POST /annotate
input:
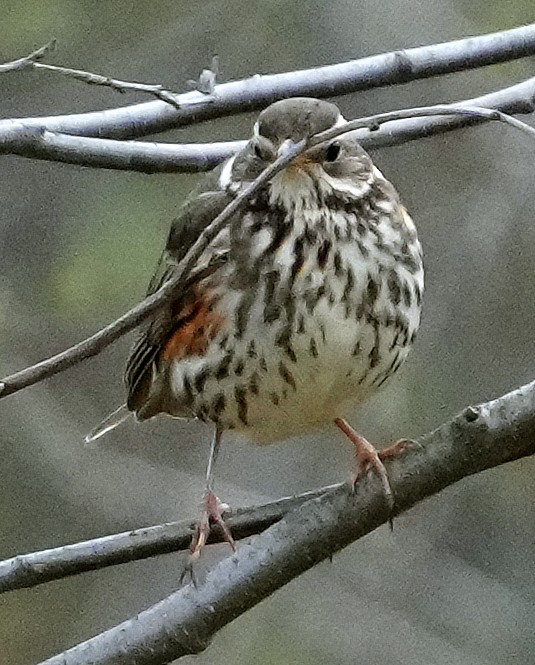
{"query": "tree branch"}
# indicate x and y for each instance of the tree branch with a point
(171, 289)
(29, 570)
(28, 61)
(154, 157)
(258, 91)
(185, 622)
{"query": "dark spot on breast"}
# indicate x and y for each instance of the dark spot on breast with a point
(254, 384)
(418, 293)
(287, 375)
(338, 266)
(299, 257)
(274, 398)
(372, 290)
(374, 355)
(240, 366)
(240, 395)
(323, 253)
(224, 367)
(313, 348)
(218, 405)
(350, 283)
(363, 248)
(407, 294)
(394, 287)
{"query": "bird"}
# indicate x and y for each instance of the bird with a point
(305, 304)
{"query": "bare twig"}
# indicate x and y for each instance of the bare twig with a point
(103, 338)
(170, 157)
(156, 90)
(29, 60)
(207, 80)
(186, 621)
(29, 570)
(256, 92)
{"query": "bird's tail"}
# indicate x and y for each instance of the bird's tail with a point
(112, 421)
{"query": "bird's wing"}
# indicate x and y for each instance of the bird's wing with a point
(195, 215)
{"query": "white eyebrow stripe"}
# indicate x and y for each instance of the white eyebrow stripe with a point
(225, 177)
(340, 121)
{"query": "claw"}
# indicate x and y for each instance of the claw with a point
(212, 512)
(367, 457)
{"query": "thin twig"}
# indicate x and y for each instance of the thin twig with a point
(156, 90)
(185, 622)
(256, 92)
(29, 570)
(103, 338)
(29, 60)
(190, 158)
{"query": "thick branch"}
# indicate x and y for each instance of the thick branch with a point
(170, 157)
(171, 289)
(186, 621)
(256, 92)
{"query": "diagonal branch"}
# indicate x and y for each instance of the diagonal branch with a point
(103, 338)
(186, 621)
(28, 570)
(154, 157)
(256, 92)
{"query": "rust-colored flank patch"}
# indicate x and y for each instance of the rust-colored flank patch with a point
(201, 325)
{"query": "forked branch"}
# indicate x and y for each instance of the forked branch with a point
(185, 622)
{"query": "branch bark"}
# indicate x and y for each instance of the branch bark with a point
(29, 570)
(185, 622)
(152, 157)
(258, 91)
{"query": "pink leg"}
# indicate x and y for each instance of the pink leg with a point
(368, 457)
(212, 512)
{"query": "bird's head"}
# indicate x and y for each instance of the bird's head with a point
(339, 165)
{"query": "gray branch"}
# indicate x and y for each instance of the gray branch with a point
(28, 570)
(258, 91)
(28, 61)
(185, 622)
(154, 157)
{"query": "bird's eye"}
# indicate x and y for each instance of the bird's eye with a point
(262, 150)
(331, 152)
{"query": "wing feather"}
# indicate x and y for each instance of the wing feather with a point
(193, 218)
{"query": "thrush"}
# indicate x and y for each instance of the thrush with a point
(306, 303)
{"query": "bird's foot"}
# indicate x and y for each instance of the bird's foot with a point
(368, 457)
(212, 513)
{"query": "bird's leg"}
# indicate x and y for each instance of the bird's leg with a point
(368, 457)
(213, 508)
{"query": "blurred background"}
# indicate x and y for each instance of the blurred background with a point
(455, 582)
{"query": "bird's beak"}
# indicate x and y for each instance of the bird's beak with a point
(300, 161)
(285, 148)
